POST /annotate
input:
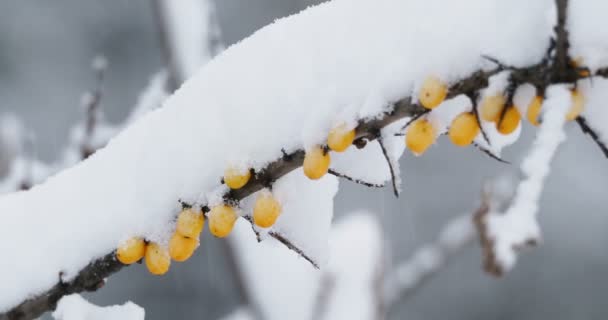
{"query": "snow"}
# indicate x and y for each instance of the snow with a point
(518, 224)
(75, 307)
(283, 87)
(588, 35)
(283, 287)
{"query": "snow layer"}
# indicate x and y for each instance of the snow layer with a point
(75, 307)
(518, 224)
(283, 87)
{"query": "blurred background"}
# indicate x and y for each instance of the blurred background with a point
(46, 49)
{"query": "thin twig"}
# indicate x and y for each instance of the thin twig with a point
(390, 166)
(357, 181)
(582, 122)
(285, 241)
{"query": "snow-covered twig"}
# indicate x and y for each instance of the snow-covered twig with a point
(429, 259)
(518, 226)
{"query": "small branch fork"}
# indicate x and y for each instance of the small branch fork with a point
(540, 75)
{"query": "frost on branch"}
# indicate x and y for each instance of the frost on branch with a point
(75, 307)
(518, 225)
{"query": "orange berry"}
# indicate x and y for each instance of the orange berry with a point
(433, 92)
(190, 223)
(534, 110)
(340, 138)
(420, 136)
(236, 178)
(266, 210)
(131, 250)
(491, 107)
(510, 121)
(181, 248)
(578, 104)
(316, 163)
(157, 259)
(464, 129)
(221, 220)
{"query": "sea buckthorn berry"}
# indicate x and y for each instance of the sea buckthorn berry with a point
(236, 178)
(157, 259)
(578, 63)
(221, 220)
(340, 138)
(131, 250)
(181, 248)
(432, 93)
(190, 223)
(510, 121)
(420, 135)
(316, 163)
(266, 210)
(491, 107)
(578, 104)
(464, 129)
(534, 110)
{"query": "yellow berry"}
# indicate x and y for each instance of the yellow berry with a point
(266, 210)
(181, 248)
(464, 129)
(221, 220)
(316, 163)
(510, 121)
(131, 251)
(432, 93)
(236, 178)
(578, 104)
(420, 136)
(190, 223)
(534, 110)
(578, 63)
(157, 259)
(340, 138)
(491, 107)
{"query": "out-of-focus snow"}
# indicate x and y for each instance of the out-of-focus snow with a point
(75, 307)
(355, 268)
(284, 287)
(518, 224)
(241, 313)
(429, 259)
(190, 33)
(283, 87)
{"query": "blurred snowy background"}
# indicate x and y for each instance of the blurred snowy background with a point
(46, 49)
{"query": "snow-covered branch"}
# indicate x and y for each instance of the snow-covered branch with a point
(518, 226)
(366, 76)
